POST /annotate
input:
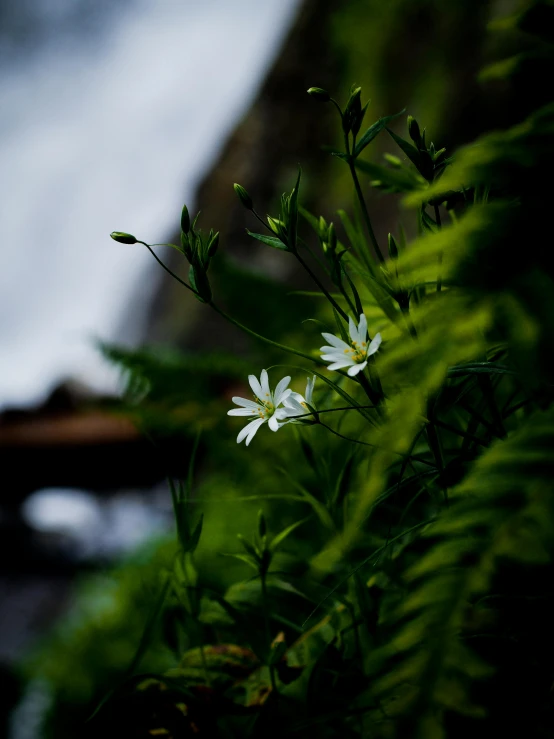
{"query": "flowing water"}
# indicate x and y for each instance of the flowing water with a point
(111, 113)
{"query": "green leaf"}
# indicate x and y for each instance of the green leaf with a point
(277, 540)
(195, 536)
(411, 152)
(373, 131)
(319, 509)
(393, 180)
(269, 240)
(248, 546)
(476, 368)
(243, 558)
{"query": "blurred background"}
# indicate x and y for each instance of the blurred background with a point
(114, 115)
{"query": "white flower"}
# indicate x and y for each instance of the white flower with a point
(354, 356)
(296, 404)
(265, 407)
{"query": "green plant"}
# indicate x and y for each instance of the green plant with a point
(416, 599)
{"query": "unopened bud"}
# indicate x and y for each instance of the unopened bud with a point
(185, 220)
(393, 161)
(319, 94)
(354, 104)
(332, 237)
(123, 238)
(322, 227)
(413, 130)
(278, 227)
(243, 196)
(213, 244)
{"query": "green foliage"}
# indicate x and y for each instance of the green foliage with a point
(397, 582)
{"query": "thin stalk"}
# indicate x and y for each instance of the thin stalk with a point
(333, 410)
(268, 631)
(284, 348)
(327, 294)
(365, 213)
(372, 394)
(459, 432)
(346, 438)
(309, 271)
(170, 272)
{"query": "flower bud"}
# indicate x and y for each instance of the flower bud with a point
(332, 237)
(185, 220)
(322, 227)
(319, 94)
(278, 228)
(354, 103)
(393, 161)
(243, 196)
(413, 130)
(123, 238)
(213, 244)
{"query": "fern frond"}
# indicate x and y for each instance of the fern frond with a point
(503, 509)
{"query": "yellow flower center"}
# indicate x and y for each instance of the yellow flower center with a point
(357, 352)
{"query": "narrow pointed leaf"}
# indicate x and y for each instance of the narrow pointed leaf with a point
(269, 240)
(373, 131)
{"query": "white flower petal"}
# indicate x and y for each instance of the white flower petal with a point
(337, 357)
(245, 403)
(296, 407)
(249, 430)
(264, 382)
(280, 390)
(362, 329)
(273, 423)
(341, 364)
(310, 389)
(335, 350)
(243, 412)
(255, 385)
(335, 341)
(292, 397)
(352, 330)
(353, 371)
(374, 345)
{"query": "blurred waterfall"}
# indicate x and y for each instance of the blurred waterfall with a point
(111, 114)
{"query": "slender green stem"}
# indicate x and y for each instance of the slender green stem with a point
(365, 212)
(324, 290)
(170, 272)
(264, 224)
(346, 438)
(372, 394)
(268, 631)
(333, 410)
(337, 106)
(377, 446)
(459, 432)
(282, 347)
